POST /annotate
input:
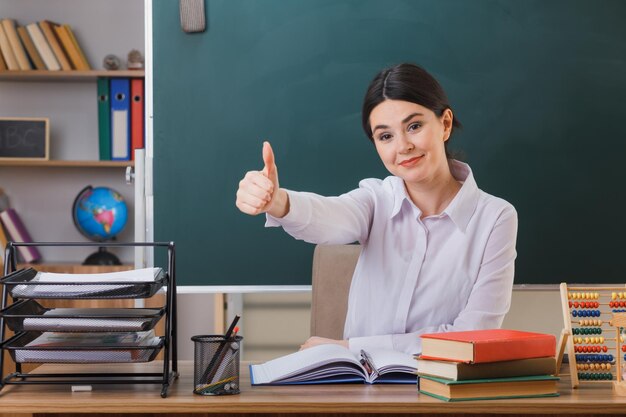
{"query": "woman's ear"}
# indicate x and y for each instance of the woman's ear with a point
(446, 118)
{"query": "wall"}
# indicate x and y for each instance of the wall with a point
(275, 324)
(44, 196)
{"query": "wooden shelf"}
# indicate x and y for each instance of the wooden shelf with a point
(40, 75)
(68, 164)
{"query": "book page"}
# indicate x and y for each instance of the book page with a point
(386, 361)
(135, 275)
(43, 324)
(308, 364)
(64, 281)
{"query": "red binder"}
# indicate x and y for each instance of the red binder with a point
(136, 115)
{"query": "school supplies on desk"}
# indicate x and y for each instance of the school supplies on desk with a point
(29, 315)
(330, 363)
(30, 283)
(478, 346)
(83, 347)
(489, 389)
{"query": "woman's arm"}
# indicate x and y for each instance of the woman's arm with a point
(306, 216)
(328, 220)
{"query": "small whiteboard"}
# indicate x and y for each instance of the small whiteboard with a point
(23, 138)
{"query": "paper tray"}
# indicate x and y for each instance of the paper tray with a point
(21, 284)
(21, 353)
(29, 315)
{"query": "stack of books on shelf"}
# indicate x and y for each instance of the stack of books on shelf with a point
(120, 118)
(487, 364)
(42, 45)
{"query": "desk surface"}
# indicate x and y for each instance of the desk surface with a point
(342, 398)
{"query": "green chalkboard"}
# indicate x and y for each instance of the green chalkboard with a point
(539, 85)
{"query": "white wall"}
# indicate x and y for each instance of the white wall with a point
(275, 324)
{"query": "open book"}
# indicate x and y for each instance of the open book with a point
(327, 364)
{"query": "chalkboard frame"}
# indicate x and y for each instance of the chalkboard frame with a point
(45, 138)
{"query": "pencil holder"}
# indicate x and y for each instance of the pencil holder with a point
(216, 365)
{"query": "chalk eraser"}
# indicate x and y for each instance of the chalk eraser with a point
(81, 388)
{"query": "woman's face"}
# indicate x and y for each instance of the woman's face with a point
(410, 139)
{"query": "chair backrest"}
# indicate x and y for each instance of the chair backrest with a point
(333, 266)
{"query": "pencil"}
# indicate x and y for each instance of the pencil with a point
(211, 369)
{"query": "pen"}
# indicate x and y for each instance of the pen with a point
(211, 369)
(368, 363)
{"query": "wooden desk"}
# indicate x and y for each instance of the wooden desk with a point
(295, 400)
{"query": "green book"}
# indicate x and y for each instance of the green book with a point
(104, 120)
(489, 389)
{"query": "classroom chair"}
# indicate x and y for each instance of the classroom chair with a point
(333, 266)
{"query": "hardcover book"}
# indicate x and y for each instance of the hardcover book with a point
(493, 345)
(460, 371)
(18, 233)
(489, 389)
(16, 45)
(30, 48)
(327, 364)
(44, 49)
(47, 28)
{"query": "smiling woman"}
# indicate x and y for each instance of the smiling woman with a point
(429, 235)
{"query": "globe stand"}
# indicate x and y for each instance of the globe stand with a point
(102, 257)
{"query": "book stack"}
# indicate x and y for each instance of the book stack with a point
(43, 45)
(120, 118)
(487, 364)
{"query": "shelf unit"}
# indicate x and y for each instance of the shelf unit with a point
(60, 164)
(42, 192)
(68, 164)
(74, 76)
(25, 293)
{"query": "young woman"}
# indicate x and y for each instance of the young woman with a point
(437, 254)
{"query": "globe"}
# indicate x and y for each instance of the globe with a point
(100, 214)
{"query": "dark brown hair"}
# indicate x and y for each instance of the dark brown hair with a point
(406, 82)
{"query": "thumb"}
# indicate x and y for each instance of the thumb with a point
(268, 158)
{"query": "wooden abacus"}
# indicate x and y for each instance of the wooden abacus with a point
(619, 321)
(594, 355)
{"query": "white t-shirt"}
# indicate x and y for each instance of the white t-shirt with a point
(447, 272)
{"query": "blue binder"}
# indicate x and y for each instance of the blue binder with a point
(120, 119)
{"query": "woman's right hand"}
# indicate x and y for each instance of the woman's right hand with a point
(259, 191)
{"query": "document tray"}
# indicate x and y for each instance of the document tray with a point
(29, 315)
(21, 353)
(22, 284)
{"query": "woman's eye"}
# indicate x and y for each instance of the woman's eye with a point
(384, 136)
(414, 126)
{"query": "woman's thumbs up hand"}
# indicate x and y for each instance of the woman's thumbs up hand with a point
(259, 191)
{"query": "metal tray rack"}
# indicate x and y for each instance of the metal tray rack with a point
(29, 320)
